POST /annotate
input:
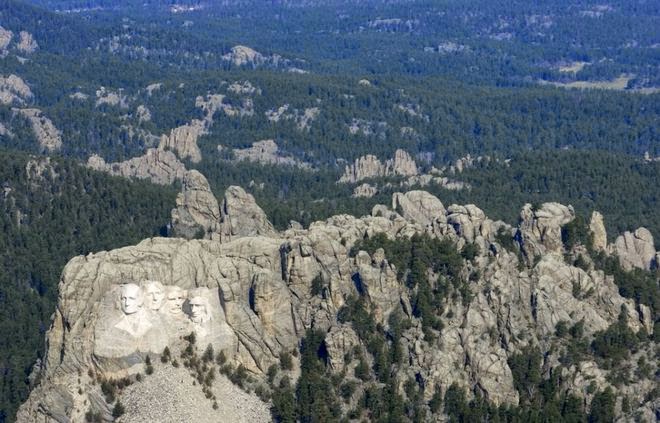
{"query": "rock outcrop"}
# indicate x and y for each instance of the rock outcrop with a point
(26, 44)
(158, 166)
(251, 292)
(49, 137)
(245, 56)
(370, 166)
(241, 216)
(183, 140)
(597, 228)
(635, 250)
(197, 214)
(540, 228)
(13, 90)
(266, 152)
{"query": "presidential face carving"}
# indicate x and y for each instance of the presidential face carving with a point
(175, 298)
(131, 298)
(155, 294)
(199, 310)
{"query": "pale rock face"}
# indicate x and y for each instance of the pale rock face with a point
(419, 206)
(49, 137)
(471, 223)
(183, 140)
(340, 341)
(636, 250)
(196, 208)
(143, 113)
(365, 191)
(597, 228)
(242, 55)
(540, 230)
(5, 39)
(370, 167)
(13, 90)
(266, 152)
(27, 43)
(241, 216)
(250, 295)
(158, 166)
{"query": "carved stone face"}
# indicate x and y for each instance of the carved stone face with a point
(175, 298)
(199, 312)
(155, 295)
(131, 298)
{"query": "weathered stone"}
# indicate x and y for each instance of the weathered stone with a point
(49, 137)
(597, 228)
(370, 167)
(540, 229)
(636, 249)
(197, 214)
(419, 206)
(13, 90)
(158, 166)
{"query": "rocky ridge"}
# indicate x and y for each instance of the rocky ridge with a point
(264, 278)
(401, 165)
(265, 152)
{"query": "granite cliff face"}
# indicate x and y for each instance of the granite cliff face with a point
(259, 291)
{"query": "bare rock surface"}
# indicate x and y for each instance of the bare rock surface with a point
(636, 249)
(196, 208)
(597, 228)
(13, 90)
(158, 166)
(251, 292)
(49, 137)
(266, 152)
(370, 166)
(183, 140)
(540, 229)
(365, 191)
(27, 43)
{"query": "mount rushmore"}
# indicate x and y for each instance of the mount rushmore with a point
(247, 290)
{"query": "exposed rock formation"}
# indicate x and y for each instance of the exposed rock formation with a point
(160, 167)
(27, 43)
(13, 90)
(365, 190)
(197, 213)
(49, 137)
(266, 152)
(597, 228)
(241, 216)
(419, 206)
(5, 39)
(261, 289)
(636, 249)
(540, 229)
(246, 56)
(183, 140)
(370, 167)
